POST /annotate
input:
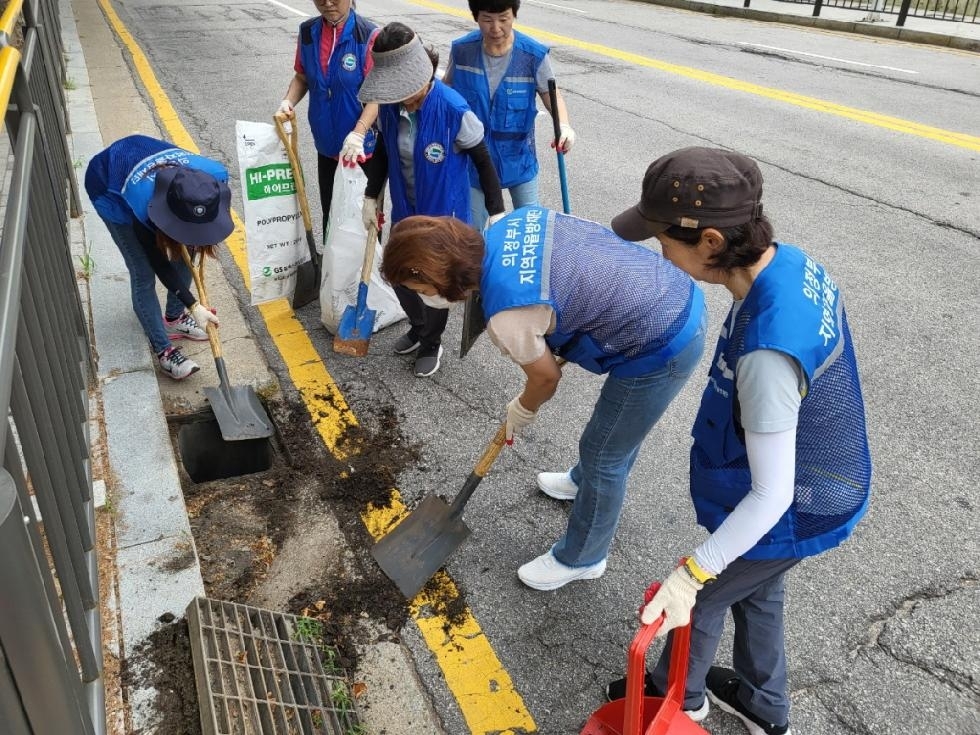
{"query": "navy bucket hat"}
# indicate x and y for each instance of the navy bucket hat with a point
(191, 206)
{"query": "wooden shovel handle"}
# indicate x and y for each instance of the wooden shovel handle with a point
(202, 297)
(371, 244)
(290, 141)
(498, 441)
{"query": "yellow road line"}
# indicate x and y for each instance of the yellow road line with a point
(482, 687)
(961, 140)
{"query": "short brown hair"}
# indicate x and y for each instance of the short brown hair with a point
(440, 251)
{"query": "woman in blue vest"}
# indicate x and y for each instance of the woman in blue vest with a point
(333, 55)
(429, 136)
(544, 280)
(780, 467)
(499, 72)
(153, 197)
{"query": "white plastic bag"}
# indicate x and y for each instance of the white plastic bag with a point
(274, 235)
(343, 257)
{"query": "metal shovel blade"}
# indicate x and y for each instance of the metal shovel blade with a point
(474, 323)
(237, 409)
(415, 549)
(307, 277)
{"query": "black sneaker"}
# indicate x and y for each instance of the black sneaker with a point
(723, 687)
(406, 344)
(617, 690)
(428, 360)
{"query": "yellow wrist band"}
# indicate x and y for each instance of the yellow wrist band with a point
(698, 574)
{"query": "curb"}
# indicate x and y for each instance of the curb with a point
(151, 523)
(890, 32)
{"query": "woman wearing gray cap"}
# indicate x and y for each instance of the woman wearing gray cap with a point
(429, 135)
(780, 466)
(153, 197)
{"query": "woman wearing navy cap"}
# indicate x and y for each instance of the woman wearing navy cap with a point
(154, 197)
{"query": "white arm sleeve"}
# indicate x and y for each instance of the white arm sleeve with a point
(772, 462)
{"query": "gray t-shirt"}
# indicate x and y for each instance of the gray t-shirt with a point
(496, 67)
(470, 135)
(770, 387)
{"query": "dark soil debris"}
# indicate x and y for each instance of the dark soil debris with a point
(163, 663)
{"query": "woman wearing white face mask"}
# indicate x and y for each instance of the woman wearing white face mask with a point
(543, 278)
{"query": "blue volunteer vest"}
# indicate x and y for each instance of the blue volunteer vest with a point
(333, 104)
(793, 307)
(441, 186)
(120, 179)
(509, 116)
(619, 307)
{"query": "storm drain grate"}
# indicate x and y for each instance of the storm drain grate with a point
(259, 673)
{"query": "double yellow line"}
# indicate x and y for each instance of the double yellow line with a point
(962, 140)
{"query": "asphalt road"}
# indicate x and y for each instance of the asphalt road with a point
(857, 140)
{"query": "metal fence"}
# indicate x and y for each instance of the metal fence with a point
(953, 10)
(50, 630)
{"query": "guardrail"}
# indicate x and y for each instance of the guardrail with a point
(50, 630)
(953, 10)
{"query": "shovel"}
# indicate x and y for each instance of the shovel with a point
(415, 549)
(237, 409)
(357, 322)
(562, 177)
(308, 273)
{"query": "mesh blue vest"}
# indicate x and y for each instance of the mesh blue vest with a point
(619, 307)
(509, 116)
(793, 307)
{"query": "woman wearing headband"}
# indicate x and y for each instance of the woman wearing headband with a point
(429, 136)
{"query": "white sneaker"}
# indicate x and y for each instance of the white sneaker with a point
(547, 573)
(557, 485)
(185, 327)
(174, 364)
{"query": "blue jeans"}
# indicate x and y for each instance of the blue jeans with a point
(754, 591)
(626, 411)
(142, 284)
(520, 196)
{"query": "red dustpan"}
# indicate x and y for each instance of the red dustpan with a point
(639, 715)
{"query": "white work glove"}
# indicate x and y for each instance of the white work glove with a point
(203, 315)
(352, 152)
(286, 109)
(494, 219)
(369, 214)
(517, 418)
(566, 138)
(676, 598)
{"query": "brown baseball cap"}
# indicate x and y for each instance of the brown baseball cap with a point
(695, 188)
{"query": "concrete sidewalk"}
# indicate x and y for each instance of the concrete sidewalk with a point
(951, 34)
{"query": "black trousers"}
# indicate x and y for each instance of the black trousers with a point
(428, 324)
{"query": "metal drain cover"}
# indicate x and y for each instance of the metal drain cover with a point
(259, 672)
